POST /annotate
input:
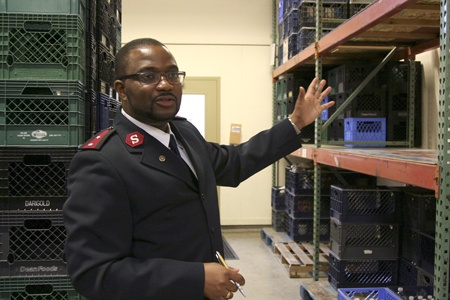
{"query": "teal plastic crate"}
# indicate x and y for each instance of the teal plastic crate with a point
(61, 7)
(42, 113)
(34, 288)
(42, 47)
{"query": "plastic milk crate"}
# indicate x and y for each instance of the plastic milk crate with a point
(365, 130)
(34, 178)
(42, 113)
(32, 243)
(42, 47)
(361, 240)
(367, 293)
(302, 206)
(37, 288)
(344, 273)
(365, 204)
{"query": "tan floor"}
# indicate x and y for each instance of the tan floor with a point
(266, 277)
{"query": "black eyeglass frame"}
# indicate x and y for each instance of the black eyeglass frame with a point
(180, 75)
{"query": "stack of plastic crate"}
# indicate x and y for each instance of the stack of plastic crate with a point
(364, 119)
(334, 12)
(299, 197)
(364, 236)
(416, 267)
(107, 40)
(278, 208)
(42, 96)
(400, 81)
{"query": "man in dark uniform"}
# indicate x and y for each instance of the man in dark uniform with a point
(142, 220)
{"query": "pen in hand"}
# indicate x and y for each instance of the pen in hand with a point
(223, 263)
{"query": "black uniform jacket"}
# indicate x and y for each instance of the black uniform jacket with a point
(139, 226)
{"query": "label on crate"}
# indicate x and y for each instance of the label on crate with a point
(38, 136)
(37, 203)
(38, 269)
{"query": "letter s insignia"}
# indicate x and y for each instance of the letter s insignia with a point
(134, 139)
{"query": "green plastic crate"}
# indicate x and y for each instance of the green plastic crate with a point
(42, 113)
(42, 47)
(36, 288)
(62, 7)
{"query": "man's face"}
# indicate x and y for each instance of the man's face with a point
(153, 104)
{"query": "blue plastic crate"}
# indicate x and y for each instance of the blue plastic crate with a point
(302, 206)
(367, 293)
(365, 130)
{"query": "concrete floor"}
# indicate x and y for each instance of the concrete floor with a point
(266, 277)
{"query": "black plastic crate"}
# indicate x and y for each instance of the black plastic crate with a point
(37, 288)
(102, 111)
(42, 47)
(32, 243)
(410, 244)
(334, 13)
(302, 206)
(278, 198)
(34, 174)
(307, 36)
(291, 23)
(365, 204)
(364, 240)
(42, 113)
(419, 210)
(369, 103)
(302, 230)
(105, 66)
(361, 272)
(348, 77)
(300, 181)
(407, 273)
(279, 220)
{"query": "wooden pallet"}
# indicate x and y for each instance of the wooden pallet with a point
(299, 258)
(272, 237)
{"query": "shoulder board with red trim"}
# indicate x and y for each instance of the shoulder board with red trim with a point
(97, 141)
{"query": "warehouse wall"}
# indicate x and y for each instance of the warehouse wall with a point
(227, 39)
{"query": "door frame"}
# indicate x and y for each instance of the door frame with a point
(210, 87)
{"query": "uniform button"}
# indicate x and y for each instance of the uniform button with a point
(162, 158)
(212, 229)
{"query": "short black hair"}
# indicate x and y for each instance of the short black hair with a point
(121, 59)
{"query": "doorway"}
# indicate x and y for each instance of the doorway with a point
(201, 105)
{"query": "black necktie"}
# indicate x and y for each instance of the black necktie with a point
(173, 145)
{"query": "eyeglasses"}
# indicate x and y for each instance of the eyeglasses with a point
(154, 78)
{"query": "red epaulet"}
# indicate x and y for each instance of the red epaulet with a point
(97, 141)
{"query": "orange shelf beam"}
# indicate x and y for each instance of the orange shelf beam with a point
(425, 175)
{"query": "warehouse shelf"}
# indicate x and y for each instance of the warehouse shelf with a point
(410, 25)
(387, 30)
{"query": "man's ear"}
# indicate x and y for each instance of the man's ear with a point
(120, 88)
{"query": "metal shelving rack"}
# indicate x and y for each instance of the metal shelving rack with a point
(394, 29)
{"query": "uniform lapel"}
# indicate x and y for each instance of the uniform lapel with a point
(153, 154)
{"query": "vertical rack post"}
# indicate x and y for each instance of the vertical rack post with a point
(442, 245)
(318, 141)
(411, 102)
